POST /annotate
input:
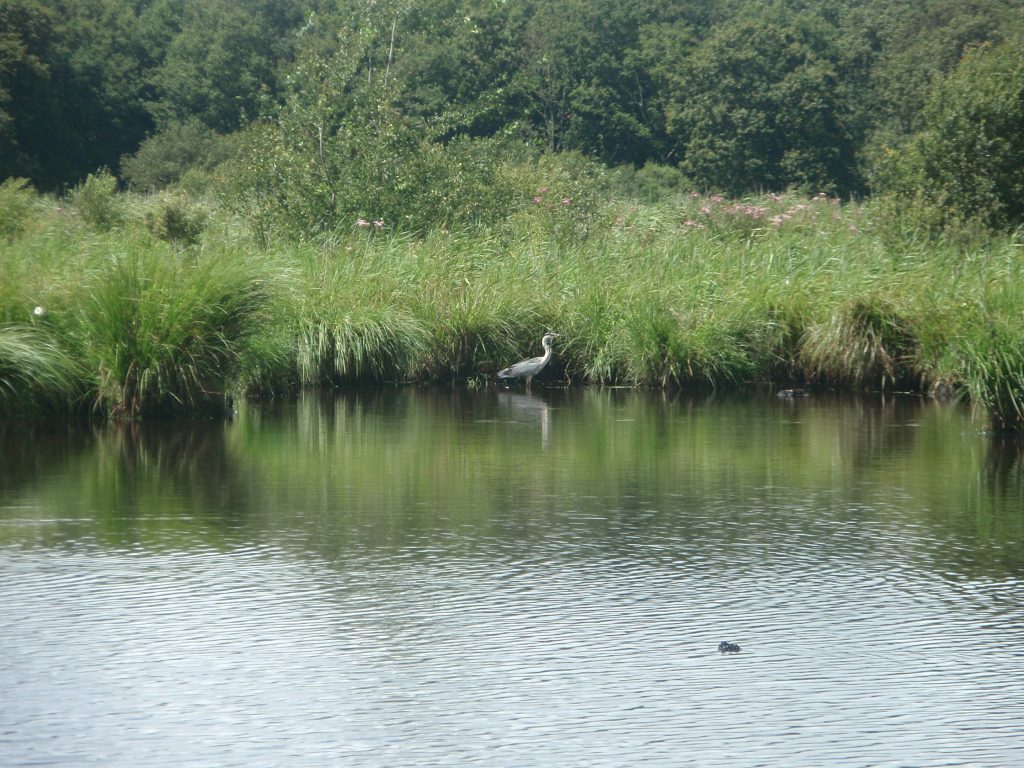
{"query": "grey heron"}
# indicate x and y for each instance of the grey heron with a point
(527, 369)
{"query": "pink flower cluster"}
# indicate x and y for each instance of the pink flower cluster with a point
(746, 209)
(794, 210)
(538, 199)
(739, 211)
(711, 206)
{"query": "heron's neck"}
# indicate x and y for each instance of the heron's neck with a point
(547, 350)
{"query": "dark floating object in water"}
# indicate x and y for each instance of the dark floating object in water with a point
(793, 393)
(726, 647)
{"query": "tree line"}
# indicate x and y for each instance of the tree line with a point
(733, 96)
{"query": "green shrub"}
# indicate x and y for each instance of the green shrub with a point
(651, 183)
(340, 153)
(166, 157)
(173, 219)
(558, 196)
(967, 164)
(97, 202)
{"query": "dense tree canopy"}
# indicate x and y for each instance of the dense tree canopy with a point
(738, 95)
(760, 102)
(967, 161)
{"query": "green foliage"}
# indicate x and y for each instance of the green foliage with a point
(558, 197)
(166, 157)
(16, 199)
(344, 331)
(968, 161)
(866, 343)
(97, 202)
(975, 337)
(757, 107)
(894, 40)
(693, 291)
(26, 48)
(993, 374)
(224, 55)
(359, 343)
(340, 153)
(666, 346)
(76, 94)
(174, 219)
(651, 183)
(744, 96)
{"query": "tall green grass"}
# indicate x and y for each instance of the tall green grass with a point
(38, 378)
(699, 291)
(165, 336)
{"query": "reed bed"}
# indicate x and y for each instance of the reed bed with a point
(701, 291)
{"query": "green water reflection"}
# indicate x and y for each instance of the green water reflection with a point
(407, 469)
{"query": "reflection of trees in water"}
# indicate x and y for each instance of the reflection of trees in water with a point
(125, 483)
(876, 428)
(29, 452)
(1004, 465)
(399, 467)
(170, 469)
(1004, 483)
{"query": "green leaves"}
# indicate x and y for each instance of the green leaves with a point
(966, 166)
(368, 109)
(342, 153)
(756, 106)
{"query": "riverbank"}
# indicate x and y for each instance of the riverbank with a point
(121, 319)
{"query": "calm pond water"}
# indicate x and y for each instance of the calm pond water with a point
(432, 578)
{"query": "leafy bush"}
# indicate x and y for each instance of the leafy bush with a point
(174, 219)
(166, 157)
(655, 181)
(560, 196)
(652, 183)
(345, 147)
(96, 201)
(968, 162)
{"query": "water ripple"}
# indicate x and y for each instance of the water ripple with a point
(499, 621)
(243, 654)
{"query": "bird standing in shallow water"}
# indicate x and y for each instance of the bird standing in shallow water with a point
(527, 369)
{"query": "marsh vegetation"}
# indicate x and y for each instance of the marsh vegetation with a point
(699, 291)
(317, 202)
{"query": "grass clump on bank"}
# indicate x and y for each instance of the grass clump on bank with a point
(698, 291)
(38, 377)
(164, 336)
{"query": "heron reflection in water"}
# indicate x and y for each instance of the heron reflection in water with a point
(527, 369)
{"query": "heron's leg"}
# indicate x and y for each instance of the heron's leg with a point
(529, 379)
